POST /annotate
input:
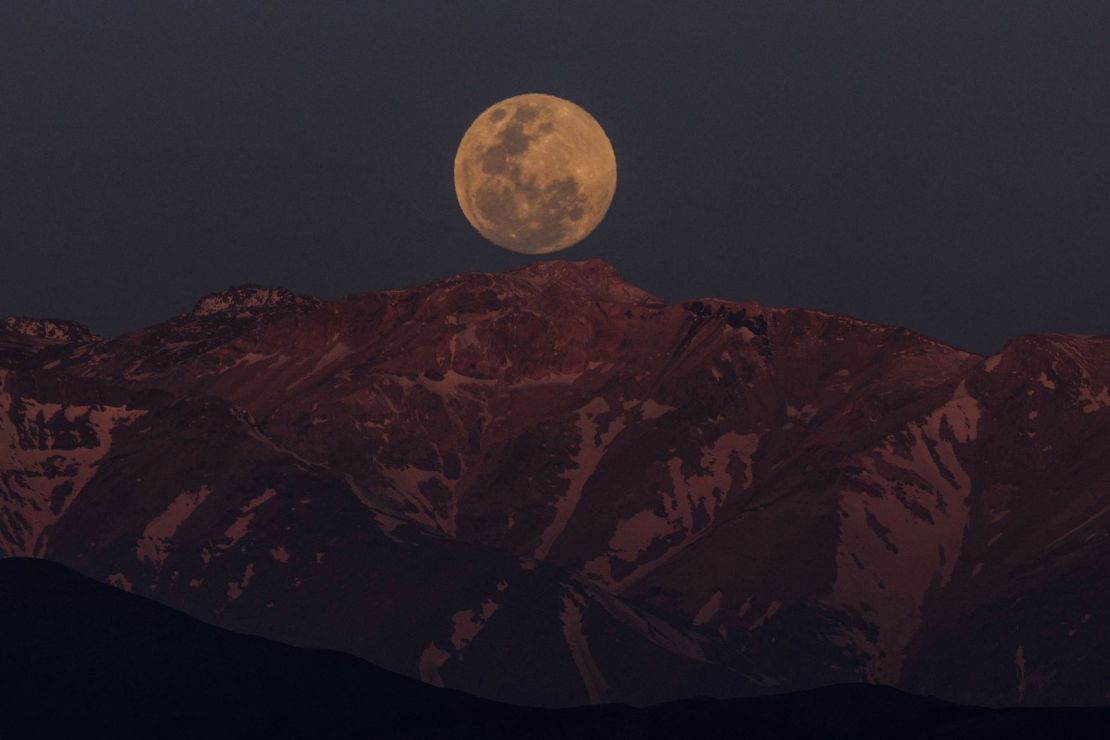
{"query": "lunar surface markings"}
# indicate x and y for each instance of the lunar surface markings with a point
(535, 174)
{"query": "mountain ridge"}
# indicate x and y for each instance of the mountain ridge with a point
(596, 274)
(746, 498)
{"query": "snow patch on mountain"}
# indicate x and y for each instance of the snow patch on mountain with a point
(903, 514)
(253, 358)
(246, 300)
(469, 622)
(424, 495)
(466, 625)
(155, 542)
(452, 383)
(1091, 402)
(771, 610)
(651, 627)
(327, 361)
(432, 659)
(678, 514)
(51, 452)
(548, 378)
(54, 330)
(709, 609)
(596, 686)
(239, 528)
(120, 581)
(707, 491)
(592, 446)
(651, 409)
(961, 414)
(635, 534)
(235, 588)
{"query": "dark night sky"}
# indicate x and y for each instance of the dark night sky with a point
(944, 166)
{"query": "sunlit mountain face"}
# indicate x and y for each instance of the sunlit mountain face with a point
(549, 487)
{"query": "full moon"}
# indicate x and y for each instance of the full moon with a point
(535, 174)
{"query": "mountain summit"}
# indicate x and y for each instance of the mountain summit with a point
(550, 487)
(244, 300)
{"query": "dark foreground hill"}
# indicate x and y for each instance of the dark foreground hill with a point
(80, 658)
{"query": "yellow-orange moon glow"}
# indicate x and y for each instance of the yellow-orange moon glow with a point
(535, 174)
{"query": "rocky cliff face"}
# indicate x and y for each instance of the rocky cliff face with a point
(548, 486)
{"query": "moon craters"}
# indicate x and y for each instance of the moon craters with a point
(535, 174)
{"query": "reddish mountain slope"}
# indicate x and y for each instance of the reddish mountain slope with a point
(549, 486)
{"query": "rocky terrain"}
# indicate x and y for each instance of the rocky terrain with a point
(549, 487)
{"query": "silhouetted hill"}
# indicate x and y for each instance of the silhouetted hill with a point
(80, 658)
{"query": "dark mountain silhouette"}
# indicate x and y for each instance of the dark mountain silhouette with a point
(83, 659)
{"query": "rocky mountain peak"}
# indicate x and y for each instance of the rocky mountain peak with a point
(249, 299)
(57, 330)
(592, 276)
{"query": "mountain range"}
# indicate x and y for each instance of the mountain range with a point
(548, 487)
(92, 660)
